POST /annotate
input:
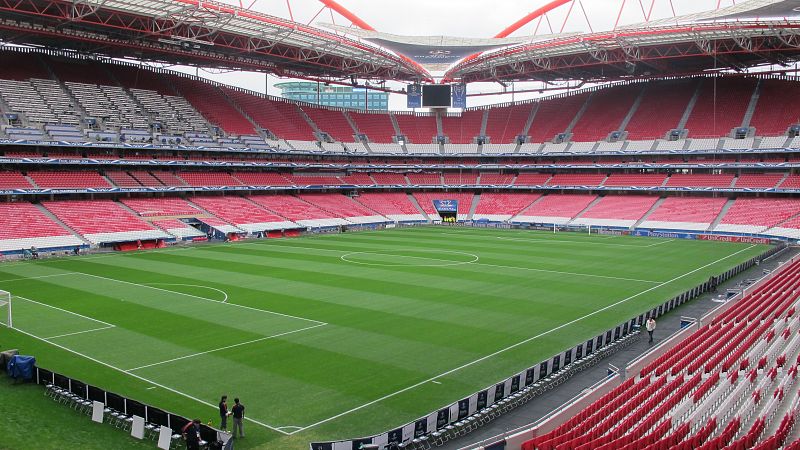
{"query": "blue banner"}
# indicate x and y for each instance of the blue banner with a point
(414, 96)
(459, 94)
(446, 205)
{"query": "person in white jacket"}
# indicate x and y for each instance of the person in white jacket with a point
(650, 326)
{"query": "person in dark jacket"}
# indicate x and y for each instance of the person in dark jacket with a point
(191, 432)
(223, 413)
(238, 417)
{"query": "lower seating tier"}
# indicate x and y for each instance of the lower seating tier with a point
(76, 222)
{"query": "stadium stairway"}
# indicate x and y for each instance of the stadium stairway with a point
(55, 219)
(475, 200)
(416, 204)
(721, 215)
(524, 210)
(588, 207)
(647, 214)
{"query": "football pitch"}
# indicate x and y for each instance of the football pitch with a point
(341, 335)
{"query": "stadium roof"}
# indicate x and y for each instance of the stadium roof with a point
(751, 33)
(201, 33)
(216, 35)
(435, 53)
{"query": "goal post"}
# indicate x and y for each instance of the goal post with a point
(6, 316)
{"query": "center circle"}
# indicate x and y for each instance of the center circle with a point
(411, 258)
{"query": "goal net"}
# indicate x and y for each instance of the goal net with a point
(5, 309)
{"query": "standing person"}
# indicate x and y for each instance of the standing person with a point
(238, 417)
(191, 432)
(650, 326)
(223, 413)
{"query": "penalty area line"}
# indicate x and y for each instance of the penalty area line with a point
(146, 380)
(80, 332)
(513, 346)
(253, 341)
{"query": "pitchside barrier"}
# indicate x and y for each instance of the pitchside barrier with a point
(121, 404)
(440, 420)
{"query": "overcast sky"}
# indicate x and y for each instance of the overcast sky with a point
(463, 18)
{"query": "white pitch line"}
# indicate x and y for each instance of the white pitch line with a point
(146, 380)
(659, 243)
(565, 240)
(80, 332)
(609, 277)
(65, 310)
(510, 347)
(202, 298)
(224, 348)
(225, 294)
(41, 276)
(477, 263)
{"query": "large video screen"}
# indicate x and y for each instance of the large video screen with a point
(436, 95)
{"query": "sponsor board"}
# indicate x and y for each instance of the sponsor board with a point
(738, 239)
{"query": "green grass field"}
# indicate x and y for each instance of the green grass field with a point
(339, 336)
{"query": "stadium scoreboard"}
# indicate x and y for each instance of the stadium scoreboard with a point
(436, 96)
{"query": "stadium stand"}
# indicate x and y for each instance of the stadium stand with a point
(332, 122)
(394, 206)
(425, 201)
(605, 113)
(532, 179)
(720, 106)
(460, 178)
(419, 129)
(357, 179)
(14, 180)
(754, 215)
(499, 207)
(496, 179)
(102, 221)
(243, 214)
(758, 180)
(262, 179)
(555, 208)
(281, 118)
(209, 179)
(23, 225)
(700, 180)
(662, 106)
(342, 206)
(155, 207)
(685, 214)
(425, 178)
(298, 211)
(213, 104)
(576, 179)
(314, 180)
(462, 129)
(145, 178)
(68, 179)
(389, 178)
(617, 211)
(505, 123)
(122, 179)
(168, 179)
(635, 180)
(376, 126)
(554, 116)
(773, 113)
